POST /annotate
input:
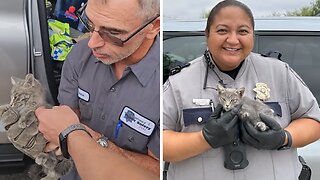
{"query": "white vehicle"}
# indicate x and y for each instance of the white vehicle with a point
(295, 40)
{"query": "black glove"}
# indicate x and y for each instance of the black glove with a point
(221, 130)
(270, 139)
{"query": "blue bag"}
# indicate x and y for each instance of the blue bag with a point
(65, 11)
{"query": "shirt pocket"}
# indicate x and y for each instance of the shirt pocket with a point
(285, 119)
(281, 110)
(85, 110)
(195, 117)
(131, 139)
(276, 107)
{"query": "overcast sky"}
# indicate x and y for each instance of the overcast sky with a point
(192, 9)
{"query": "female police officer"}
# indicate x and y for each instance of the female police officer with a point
(193, 140)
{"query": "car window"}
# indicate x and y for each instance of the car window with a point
(185, 48)
(300, 52)
(181, 50)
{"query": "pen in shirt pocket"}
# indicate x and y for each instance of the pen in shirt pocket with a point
(119, 125)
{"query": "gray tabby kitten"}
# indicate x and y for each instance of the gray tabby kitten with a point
(21, 126)
(250, 109)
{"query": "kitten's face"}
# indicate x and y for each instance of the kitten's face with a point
(229, 97)
(24, 89)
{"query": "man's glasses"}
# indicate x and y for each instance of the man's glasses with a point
(105, 35)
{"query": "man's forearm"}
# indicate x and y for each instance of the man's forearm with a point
(145, 161)
(94, 162)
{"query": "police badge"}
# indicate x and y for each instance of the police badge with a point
(262, 90)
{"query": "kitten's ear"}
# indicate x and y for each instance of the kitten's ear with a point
(220, 88)
(29, 80)
(241, 91)
(14, 80)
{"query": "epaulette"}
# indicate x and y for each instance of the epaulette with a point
(177, 69)
(274, 54)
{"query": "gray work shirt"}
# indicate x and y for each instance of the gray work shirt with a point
(287, 90)
(127, 111)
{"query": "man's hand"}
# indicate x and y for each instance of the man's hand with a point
(222, 130)
(271, 139)
(53, 121)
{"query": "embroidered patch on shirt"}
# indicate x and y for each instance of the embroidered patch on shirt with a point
(83, 95)
(137, 122)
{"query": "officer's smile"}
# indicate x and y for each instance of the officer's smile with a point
(231, 49)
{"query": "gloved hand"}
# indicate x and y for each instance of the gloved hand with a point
(28, 140)
(221, 129)
(271, 139)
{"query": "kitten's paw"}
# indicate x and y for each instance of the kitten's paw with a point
(41, 159)
(244, 115)
(261, 126)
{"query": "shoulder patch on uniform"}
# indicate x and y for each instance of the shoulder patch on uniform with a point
(178, 69)
(273, 54)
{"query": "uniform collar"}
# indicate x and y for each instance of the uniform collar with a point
(223, 76)
(145, 68)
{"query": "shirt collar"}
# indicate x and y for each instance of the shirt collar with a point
(221, 76)
(145, 68)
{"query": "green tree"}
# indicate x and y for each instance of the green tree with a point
(312, 10)
(205, 14)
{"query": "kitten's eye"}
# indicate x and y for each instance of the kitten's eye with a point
(234, 100)
(223, 99)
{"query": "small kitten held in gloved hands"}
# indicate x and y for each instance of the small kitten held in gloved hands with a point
(259, 128)
(250, 110)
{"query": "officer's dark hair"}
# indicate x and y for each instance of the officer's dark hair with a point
(226, 3)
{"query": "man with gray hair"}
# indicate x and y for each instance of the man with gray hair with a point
(112, 81)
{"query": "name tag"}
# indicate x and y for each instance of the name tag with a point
(137, 122)
(83, 95)
(202, 102)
